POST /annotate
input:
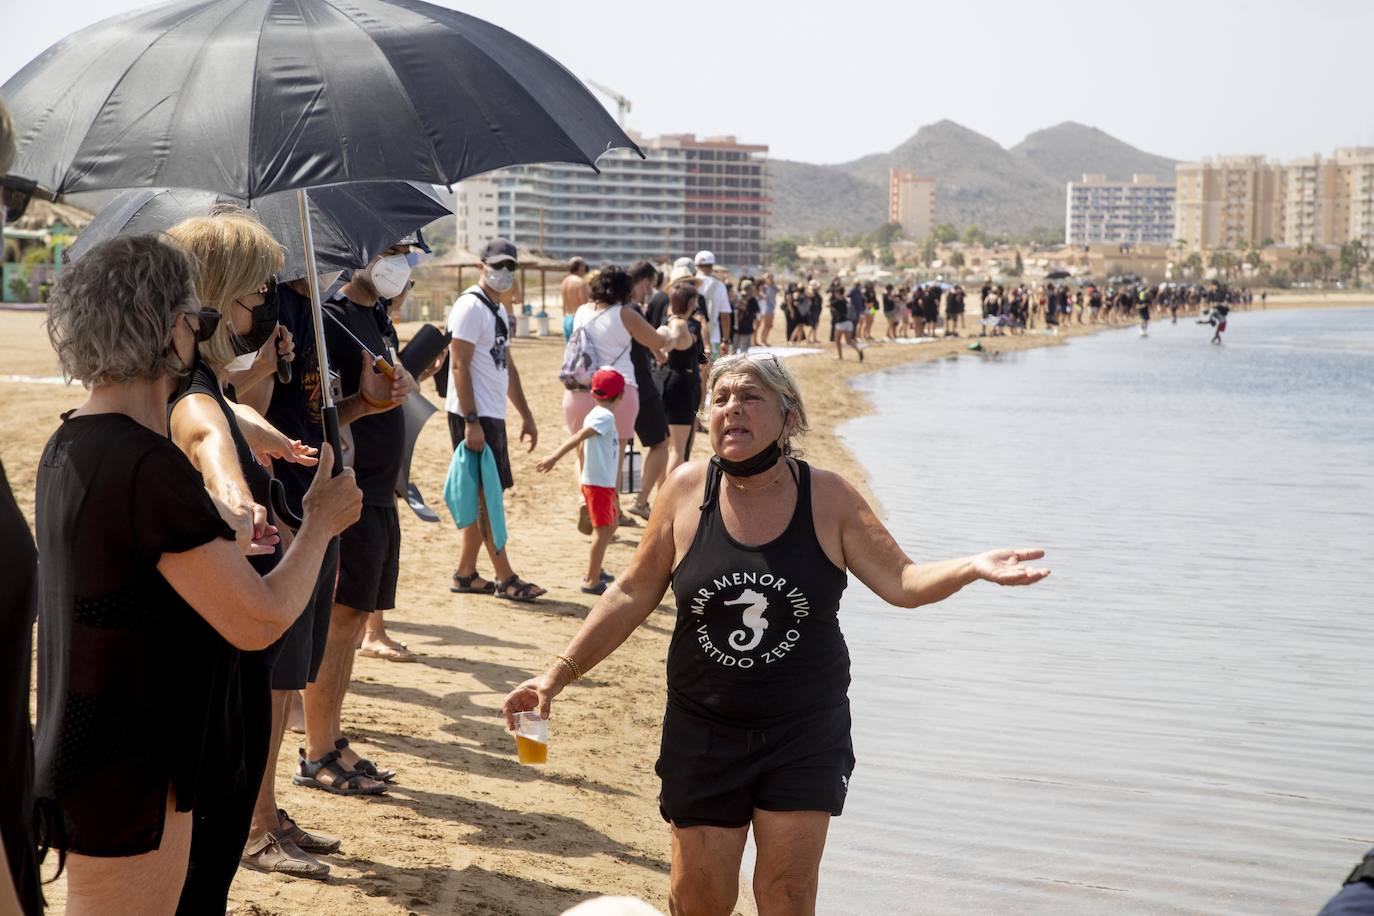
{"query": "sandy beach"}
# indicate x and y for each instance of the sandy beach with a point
(467, 829)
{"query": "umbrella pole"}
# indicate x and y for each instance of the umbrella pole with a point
(328, 412)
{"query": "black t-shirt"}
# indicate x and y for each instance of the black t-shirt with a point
(295, 406)
(378, 439)
(839, 309)
(133, 685)
(657, 312)
(17, 611)
(745, 313)
(643, 362)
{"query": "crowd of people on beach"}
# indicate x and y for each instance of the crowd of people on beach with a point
(209, 573)
(205, 564)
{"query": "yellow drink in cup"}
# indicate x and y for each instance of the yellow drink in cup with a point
(530, 750)
(531, 738)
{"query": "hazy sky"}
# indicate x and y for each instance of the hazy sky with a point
(827, 82)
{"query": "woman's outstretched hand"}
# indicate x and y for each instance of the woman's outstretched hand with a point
(536, 693)
(1003, 567)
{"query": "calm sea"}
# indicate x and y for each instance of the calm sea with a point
(1178, 720)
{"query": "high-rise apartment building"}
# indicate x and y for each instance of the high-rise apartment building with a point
(1139, 211)
(685, 196)
(1312, 206)
(1355, 184)
(911, 202)
(1227, 201)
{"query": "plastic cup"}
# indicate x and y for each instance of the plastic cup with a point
(531, 737)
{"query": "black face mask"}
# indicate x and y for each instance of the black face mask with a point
(264, 323)
(750, 467)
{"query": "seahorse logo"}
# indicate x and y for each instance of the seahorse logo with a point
(755, 605)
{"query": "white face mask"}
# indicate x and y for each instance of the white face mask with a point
(500, 278)
(239, 363)
(390, 275)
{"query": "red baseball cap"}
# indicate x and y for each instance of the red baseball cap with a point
(607, 384)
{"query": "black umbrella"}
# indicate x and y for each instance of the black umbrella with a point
(353, 223)
(1058, 275)
(259, 96)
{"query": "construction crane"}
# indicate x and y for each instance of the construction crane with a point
(622, 103)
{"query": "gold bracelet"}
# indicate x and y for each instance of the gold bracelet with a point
(573, 668)
(560, 665)
(368, 399)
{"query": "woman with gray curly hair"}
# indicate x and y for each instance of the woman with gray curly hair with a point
(757, 546)
(145, 598)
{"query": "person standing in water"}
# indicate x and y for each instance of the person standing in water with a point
(757, 546)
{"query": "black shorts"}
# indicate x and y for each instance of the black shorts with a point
(302, 648)
(369, 560)
(651, 424)
(682, 396)
(716, 775)
(494, 431)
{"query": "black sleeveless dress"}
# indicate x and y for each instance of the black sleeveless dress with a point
(758, 674)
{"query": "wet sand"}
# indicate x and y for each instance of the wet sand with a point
(467, 829)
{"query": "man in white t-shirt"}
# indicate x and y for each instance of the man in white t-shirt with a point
(484, 377)
(717, 301)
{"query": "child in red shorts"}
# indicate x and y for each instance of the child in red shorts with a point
(600, 456)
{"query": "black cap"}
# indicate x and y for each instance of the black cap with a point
(498, 250)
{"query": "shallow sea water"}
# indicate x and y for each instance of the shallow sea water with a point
(1176, 721)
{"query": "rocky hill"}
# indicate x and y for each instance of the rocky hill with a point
(978, 181)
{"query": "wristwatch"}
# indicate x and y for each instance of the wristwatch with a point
(470, 418)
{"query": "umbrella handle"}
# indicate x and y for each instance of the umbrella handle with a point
(330, 414)
(276, 495)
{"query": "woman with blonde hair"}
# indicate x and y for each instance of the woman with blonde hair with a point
(145, 599)
(236, 258)
(757, 547)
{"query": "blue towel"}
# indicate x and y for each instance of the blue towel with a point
(466, 474)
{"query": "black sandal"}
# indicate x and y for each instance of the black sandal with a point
(365, 766)
(465, 586)
(345, 782)
(524, 591)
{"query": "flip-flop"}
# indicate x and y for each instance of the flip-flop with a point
(598, 589)
(641, 511)
(387, 653)
(584, 520)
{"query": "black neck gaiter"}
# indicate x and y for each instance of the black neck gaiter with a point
(750, 467)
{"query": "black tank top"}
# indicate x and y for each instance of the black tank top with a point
(203, 381)
(758, 638)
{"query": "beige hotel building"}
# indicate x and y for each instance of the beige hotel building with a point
(911, 202)
(1230, 201)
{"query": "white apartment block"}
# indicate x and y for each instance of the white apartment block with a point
(1139, 211)
(684, 196)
